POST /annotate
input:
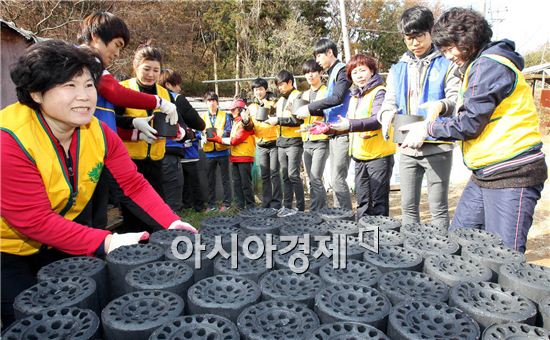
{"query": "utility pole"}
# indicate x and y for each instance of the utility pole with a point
(345, 36)
(494, 16)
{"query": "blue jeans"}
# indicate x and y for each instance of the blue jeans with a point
(505, 212)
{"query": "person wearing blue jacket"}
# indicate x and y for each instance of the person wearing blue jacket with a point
(497, 125)
(422, 77)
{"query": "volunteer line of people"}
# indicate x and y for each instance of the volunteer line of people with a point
(460, 85)
(61, 167)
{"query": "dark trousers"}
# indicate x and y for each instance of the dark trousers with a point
(152, 171)
(212, 165)
(290, 158)
(268, 159)
(172, 181)
(18, 274)
(242, 184)
(506, 212)
(372, 186)
(192, 196)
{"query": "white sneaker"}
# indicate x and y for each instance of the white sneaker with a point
(285, 212)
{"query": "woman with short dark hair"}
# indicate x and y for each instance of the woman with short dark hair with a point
(53, 152)
(372, 154)
(498, 126)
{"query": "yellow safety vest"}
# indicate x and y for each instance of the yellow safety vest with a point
(141, 149)
(367, 145)
(512, 129)
(28, 128)
(306, 136)
(219, 124)
(263, 132)
(283, 112)
(246, 148)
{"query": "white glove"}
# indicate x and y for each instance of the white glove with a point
(341, 125)
(118, 240)
(170, 109)
(272, 121)
(417, 134)
(245, 115)
(142, 124)
(147, 139)
(385, 121)
(188, 143)
(226, 140)
(302, 112)
(433, 108)
(180, 225)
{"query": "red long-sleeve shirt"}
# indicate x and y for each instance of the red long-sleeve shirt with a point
(110, 89)
(26, 207)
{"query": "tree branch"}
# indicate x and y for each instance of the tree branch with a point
(59, 26)
(47, 17)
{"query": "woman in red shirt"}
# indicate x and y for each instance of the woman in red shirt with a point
(53, 152)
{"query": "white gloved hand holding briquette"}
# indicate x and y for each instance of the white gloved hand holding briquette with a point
(114, 241)
(169, 109)
(180, 225)
(143, 125)
(385, 120)
(418, 132)
(433, 109)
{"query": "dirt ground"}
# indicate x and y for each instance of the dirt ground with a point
(538, 240)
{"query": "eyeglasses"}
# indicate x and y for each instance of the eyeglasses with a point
(420, 37)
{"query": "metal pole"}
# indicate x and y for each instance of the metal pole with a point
(345, 36)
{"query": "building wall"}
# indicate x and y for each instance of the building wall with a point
(13, 45)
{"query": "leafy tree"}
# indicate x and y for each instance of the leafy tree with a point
(539, 56)
(315, 14)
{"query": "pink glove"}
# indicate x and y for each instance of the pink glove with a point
(180, 225)
(216, 139)
(319, 128)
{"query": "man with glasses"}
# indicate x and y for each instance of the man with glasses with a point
(422, 83)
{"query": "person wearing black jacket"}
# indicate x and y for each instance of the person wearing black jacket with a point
(190, 120)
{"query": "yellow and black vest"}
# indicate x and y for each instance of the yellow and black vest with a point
(367, 145)
(219, 124)
(512, 129)
(283, 112)
(263, 132)
(141, 149)
(28, 128)
(306, 136)
(246, 148)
